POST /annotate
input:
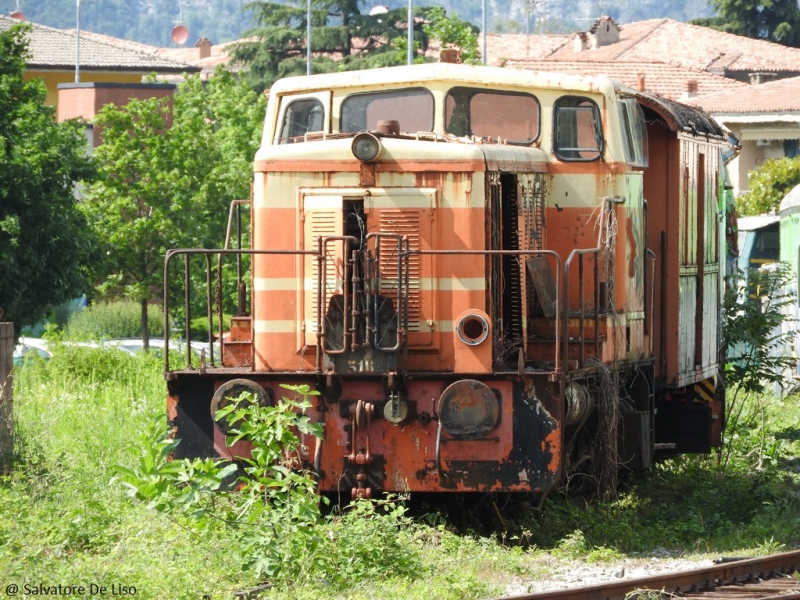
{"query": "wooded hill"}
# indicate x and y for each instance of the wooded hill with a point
(150, 21)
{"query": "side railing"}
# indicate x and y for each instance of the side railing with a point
(598, 301)
(592, 313)
(213, 297)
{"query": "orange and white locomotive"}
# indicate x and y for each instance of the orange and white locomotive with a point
(491, 276)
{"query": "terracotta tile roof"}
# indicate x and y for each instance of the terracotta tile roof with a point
(655, 40)
(665, 80)
(773, 97)
(220, 55)
(55, 49)
(501, 48)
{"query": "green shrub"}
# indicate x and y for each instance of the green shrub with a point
(199, 327)
(112, 320)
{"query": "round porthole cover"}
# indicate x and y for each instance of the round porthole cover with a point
(468, 409)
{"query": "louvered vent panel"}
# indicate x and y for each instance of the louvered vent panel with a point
(320, 222)
(402, 222)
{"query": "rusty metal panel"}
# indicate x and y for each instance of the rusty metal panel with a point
(686, 322)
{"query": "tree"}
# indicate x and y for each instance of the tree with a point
(768, 185)
(452, 32)
(342, 39)
(162, 187)
(774, 20)
(45, 248)
(281, 30)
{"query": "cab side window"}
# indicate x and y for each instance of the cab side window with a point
(301, 117)
(578, 131)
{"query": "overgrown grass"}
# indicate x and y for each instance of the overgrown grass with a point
(81, 413)
(62, 520)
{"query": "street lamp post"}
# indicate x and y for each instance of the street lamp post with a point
(410, 33)
(308, 38)
(78, 41)
(483, 28)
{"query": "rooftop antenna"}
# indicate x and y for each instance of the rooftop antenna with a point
(179, 33)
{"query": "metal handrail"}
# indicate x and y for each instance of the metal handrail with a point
(187, 253)
(580, 253)
(404, 255)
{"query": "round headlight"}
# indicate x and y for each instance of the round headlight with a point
(366, 147)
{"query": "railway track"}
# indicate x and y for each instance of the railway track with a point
(765, 578)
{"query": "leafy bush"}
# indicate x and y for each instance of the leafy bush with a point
(769, 183)
(273, 509)
(112, 320)
(756, 350)
(199, 327)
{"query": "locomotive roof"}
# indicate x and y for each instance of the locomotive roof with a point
(680, 116)
(457, 73)
(791, 200)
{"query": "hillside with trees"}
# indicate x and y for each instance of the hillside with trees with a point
(150, 21)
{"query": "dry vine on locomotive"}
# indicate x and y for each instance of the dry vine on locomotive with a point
(494, 278)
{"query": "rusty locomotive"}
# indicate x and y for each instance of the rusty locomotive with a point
(494, 278)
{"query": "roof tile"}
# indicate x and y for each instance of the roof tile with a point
(55, 48)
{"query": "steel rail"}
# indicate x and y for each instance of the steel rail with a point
(682, 582)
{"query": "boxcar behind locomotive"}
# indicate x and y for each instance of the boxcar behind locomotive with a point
(493, 278)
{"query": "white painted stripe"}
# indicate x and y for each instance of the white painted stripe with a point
(289, 284)
(273, 326)
(445, 326)
(445, 284)
(311, 202)
(274, 284)
(461, 284)
(287, 326)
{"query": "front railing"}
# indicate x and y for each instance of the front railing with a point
(366, 287)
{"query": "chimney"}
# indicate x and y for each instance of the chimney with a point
(640, 82)
(581, 41)
(204, 46)
(605, 32)
(450, 55)
(691, 89)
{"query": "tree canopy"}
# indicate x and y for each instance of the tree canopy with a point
(773, 20)
(162, 187)
(342, 39)
(768, 184)
(46, 249)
